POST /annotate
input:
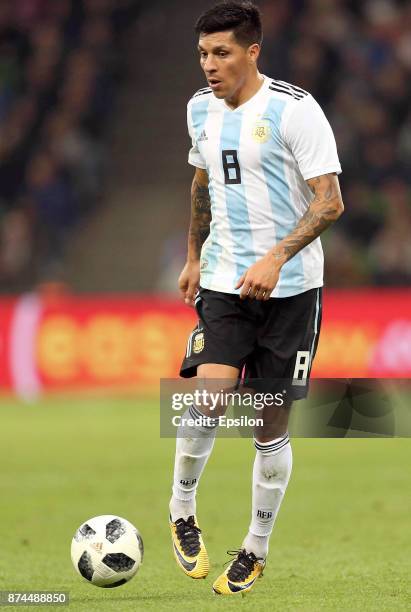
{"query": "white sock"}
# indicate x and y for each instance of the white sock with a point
(193, 448)
(271, 473)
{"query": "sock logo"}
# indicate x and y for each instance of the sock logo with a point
(188, 483)
(264, 515)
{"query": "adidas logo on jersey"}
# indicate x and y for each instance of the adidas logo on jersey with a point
(203, 136)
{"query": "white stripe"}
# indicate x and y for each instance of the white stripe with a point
(188, 351)
(270, 445)
(223, 271)
(194, 412)
(266, 449)
(317, 312)
(300, 89)
(23, 335)
(272, 451)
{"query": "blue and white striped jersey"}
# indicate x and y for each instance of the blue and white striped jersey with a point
(258, 158)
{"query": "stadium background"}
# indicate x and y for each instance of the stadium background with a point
(94, 183)
(94, 210)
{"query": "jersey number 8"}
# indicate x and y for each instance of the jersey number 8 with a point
(232, 172)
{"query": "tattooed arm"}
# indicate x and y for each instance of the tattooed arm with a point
(261, 278)
(189, 279)
(200, 215)
(326, 207)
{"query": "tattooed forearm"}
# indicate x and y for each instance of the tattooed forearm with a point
(326, 207)
(200, 218)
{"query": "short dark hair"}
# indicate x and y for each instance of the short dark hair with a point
(243, 18)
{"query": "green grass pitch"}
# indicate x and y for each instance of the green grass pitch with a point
(341, 542)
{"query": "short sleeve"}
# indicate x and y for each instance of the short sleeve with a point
(194, 156)
(311, 139)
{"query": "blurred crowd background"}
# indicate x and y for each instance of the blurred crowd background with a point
(61, 62)
(64, 62)
(355, 58)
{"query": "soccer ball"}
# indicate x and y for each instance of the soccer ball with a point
(107, 551)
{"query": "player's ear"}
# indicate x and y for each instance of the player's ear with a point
(253, 53)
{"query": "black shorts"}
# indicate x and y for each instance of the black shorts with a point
(275, 341)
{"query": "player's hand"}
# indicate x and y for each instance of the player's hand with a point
(259, 280)
(189, 281)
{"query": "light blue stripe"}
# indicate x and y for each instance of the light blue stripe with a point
(236, 203)
(284, 213)
(317, 312)
(199, 112)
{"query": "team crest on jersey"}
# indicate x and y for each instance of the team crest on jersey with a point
(261, 131)
(198, 343)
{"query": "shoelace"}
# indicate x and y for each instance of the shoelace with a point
(189, 536)
(242, 566)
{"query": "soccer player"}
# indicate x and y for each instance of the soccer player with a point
(265, 187)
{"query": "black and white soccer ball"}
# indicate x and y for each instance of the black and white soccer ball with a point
(107, 551)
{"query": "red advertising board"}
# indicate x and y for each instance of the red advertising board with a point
(6, 316)
(365, 334)
(128, 341)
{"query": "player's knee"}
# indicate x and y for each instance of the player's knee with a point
(270, 431)
(267, 436)
(274, 424)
